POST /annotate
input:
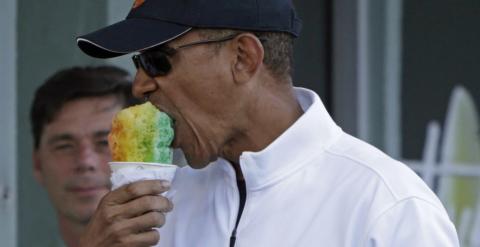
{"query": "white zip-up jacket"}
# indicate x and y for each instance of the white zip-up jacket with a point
(313, 186)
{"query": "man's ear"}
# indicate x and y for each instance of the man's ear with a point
(249, 57)
(37, 167)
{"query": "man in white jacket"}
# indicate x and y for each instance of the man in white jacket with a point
(268, 166)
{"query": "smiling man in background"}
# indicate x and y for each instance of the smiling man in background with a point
(70, 117)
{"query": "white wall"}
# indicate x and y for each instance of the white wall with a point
(8, 198)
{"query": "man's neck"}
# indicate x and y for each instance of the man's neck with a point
(70, 231)
(266, 119)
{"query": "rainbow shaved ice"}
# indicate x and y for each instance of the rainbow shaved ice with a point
(141, 133)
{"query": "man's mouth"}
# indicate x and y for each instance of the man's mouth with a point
(86, 186)
(87, 191)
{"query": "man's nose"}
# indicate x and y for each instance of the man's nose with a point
(88, 159)
(143, 85)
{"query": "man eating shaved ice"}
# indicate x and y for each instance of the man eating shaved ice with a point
(267, 164)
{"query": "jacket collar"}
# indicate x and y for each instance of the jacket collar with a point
(292, 150)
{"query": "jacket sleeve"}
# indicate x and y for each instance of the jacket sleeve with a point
(412, 222)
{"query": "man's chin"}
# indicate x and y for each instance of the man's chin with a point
(81, 215)
(197, 163)
(82, 208)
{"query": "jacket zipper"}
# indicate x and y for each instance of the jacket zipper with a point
(242, 189)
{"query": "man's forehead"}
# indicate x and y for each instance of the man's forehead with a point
(95, 104)
(84, 116)
(72, 136)
(60, 132)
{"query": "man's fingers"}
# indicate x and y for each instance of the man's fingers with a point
(138, 231)
(126, 216)
(146, 204)
(134, 190)
(147, 221)
(121, 231)
(147, 238)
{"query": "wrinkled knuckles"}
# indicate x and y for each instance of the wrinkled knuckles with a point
(110, 217)
(106, 200)
(149, 238)
(160, 187)
(130, 241)
(117, 232)
(149, 201)
(158, 203)
(157, 219)
(146, 204)
(149, 220)
(133, 190)
(165, 205)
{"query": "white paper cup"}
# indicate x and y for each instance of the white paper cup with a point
(128, 172)
(115, 165)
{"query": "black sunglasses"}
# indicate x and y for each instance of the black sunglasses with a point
(155, 61)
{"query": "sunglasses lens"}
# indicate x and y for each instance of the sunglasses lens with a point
(154, 64)
(161, 64)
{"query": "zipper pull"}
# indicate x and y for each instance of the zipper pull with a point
(233, 238)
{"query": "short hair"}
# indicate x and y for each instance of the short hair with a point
(74, 83)
(278, 48)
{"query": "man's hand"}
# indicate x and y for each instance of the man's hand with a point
(126, 216)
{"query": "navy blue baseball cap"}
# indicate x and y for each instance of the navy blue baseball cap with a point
(154, 22)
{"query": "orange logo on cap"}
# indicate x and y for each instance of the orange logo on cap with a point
(137, 3)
